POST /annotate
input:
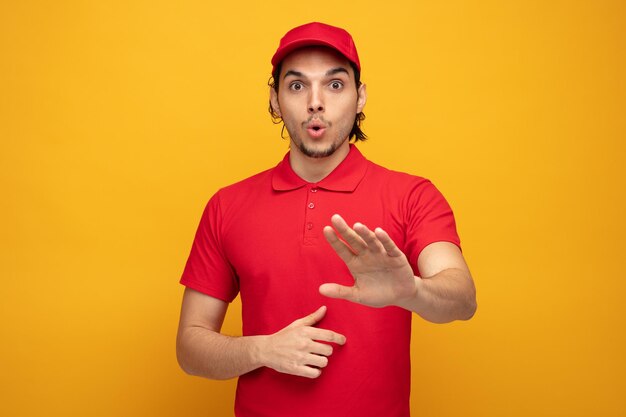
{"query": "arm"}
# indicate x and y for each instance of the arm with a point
(201, 349)
(446, 291)
(383, 275)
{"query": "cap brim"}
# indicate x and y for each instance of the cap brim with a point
(301, 43)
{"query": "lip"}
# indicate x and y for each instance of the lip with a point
(315, 128)
(316, 132)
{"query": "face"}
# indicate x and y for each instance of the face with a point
(318, 100)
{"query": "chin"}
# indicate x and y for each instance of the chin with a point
(317, 151)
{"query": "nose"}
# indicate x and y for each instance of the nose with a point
(316, 102)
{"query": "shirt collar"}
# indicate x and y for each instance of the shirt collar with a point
(346, 177)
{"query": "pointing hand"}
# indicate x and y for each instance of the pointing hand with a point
(296, 349)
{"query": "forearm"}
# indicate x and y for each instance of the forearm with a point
(446, 296)
(206, 353)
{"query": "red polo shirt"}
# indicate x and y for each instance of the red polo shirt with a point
(262, 238)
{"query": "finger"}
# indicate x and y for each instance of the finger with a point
(339, 291)
(323, 348)
(311, 319)
(317, 361)
(324, 335)
(388, 244)
(339, 246)
(306, 371)
(369, 237)
(347, 234)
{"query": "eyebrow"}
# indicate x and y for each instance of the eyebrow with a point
(336, 71)
(330, 72)
(292, 72)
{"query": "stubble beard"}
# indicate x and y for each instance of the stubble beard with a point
(319, 153)
(342, 136)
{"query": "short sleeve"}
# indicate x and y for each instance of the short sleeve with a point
(429, 219)
(208, 270)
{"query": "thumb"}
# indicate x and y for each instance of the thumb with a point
(312, 318)
(339, 291)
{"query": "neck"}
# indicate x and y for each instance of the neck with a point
(316, 169)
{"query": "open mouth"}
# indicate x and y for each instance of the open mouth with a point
(316, 128)
(315, 125)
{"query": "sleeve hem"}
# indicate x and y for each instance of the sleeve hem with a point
(212, 292)
(419, 250)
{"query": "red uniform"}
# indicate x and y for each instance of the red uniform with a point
(262, 238)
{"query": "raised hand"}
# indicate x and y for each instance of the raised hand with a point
(297, 350)
(382, 274)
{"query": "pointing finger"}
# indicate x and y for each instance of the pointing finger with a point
(324, 335)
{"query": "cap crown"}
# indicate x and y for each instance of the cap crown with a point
(317, 34)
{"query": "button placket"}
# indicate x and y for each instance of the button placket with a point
(310, 222)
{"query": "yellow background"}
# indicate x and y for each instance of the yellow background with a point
(119, 119)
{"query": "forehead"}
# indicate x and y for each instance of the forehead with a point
(314, 59)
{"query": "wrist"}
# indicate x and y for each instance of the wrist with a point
(257, 348)
(409, 300)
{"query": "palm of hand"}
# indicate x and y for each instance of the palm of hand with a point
(382, 273)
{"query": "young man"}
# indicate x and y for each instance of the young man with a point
(326, 306)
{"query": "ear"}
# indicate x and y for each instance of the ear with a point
(274, 102)
(362, 98)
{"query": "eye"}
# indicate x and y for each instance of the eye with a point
(336, 85)
(295, 86)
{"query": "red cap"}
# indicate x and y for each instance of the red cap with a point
(313, 34)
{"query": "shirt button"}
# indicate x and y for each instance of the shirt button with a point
(313, 190)
(311, 205)
(309, 226)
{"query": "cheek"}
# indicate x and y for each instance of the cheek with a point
(347, 106)
(289, 104)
